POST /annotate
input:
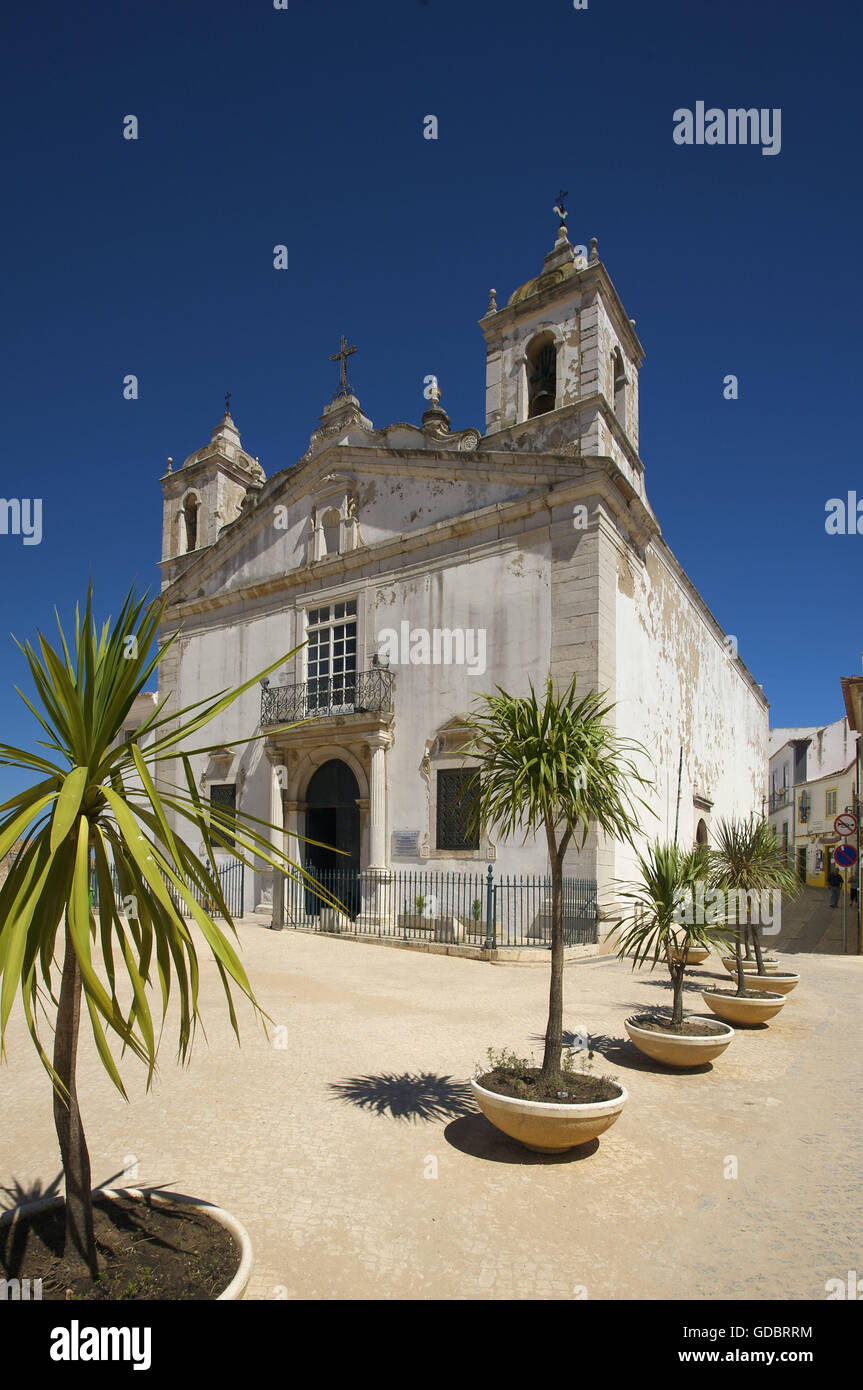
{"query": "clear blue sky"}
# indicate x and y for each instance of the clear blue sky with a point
(304, 127)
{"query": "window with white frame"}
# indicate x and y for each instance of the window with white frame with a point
(331, 656)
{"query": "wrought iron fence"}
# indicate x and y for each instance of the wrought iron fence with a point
(231, 879)
(351, 692)
(473, 909)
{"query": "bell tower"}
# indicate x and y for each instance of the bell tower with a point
(562, 359)
(204, 495)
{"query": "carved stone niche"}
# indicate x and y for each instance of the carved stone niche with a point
(451, 738)
(219, 765)
(335, 495)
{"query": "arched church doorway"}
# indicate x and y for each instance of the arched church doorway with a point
(701, 833)
(333, 819)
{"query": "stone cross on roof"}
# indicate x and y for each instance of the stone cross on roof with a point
(342, 356)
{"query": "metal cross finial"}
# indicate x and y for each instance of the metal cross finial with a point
(342, 357)
(559, 205)
(227, 402)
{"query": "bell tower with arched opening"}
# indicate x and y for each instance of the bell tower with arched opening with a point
(204, 495)
(562, 360)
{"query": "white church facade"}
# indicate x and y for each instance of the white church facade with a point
(411, 567)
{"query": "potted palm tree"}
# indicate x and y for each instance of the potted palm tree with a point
(662, 925)
(92, 807)
(554, 769)
(747, 862)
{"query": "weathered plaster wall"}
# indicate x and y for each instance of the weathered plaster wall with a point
(678, 687)
(506, 596)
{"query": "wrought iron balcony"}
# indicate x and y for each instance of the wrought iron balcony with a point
(780, 797)
(354, 692)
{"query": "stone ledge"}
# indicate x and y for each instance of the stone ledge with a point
(499, 955)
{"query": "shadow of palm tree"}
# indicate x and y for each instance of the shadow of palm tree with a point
(15, 1237)
(423, 1096)
(689, 986)
(478, 1137)
(17, 1194)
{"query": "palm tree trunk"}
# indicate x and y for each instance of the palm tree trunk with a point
(80, 1234)
(554, 1028)
(741, 973)
(759, 959)
(677, 988)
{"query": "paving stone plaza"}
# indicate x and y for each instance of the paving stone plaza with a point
(346, 1141)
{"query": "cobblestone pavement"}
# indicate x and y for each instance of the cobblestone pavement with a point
(347, 1145)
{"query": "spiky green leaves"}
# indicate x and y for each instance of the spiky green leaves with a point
(558, 766)
(97, 804)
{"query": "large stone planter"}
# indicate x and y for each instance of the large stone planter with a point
(545, 1128)
(678, 1050)
(777, 984)
(331, 920)
(478, 930)
(240, 1282)
(696, 955)
(437, 928)
(741, 1008)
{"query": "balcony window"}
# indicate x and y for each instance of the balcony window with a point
(331, 657)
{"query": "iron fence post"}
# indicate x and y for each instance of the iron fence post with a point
(489, 911)
(278, 901)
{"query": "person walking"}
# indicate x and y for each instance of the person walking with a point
(834, 883)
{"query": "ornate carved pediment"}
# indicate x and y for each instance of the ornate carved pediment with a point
(452, 737)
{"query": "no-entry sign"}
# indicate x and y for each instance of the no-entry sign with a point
(846, 824)
(845, 856)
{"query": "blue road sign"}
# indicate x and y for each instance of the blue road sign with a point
(845, 856)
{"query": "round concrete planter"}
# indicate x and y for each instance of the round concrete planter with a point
(749, 967)
(696, 955)
(238, 1285)
(777, 984)
(736, 1008)
(678, 1050)
(544, 1127)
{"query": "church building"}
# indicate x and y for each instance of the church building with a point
(414, 566)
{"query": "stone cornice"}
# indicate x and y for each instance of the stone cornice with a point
(492, 467)
(181, 478)
(595, 401)
(595, 478)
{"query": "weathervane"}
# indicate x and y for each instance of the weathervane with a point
(559, 207)
(227, 402)
(342, 356)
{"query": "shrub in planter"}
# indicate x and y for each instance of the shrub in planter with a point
(661, 926)
(94, 802)
(552, 769)
(548, 1114)
(748, 863)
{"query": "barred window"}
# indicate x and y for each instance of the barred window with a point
(223, 794)
(453, 810)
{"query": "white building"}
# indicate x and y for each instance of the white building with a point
(402, 570)
(812, 778)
